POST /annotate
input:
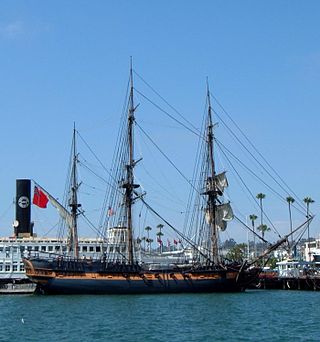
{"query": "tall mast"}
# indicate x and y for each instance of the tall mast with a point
(129, 185)
(73, 243)
(211, 182)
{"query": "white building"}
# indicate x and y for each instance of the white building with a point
(312, 250)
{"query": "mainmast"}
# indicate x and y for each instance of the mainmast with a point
(73, 202)
(211, 190)
(129, 186)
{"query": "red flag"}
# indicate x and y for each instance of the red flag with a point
(159, 241)
(175, 241)
(110, 212)
(40, 199)
(168, 241)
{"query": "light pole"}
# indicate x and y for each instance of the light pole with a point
(253, 217)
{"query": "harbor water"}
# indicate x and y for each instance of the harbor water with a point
(255, 315)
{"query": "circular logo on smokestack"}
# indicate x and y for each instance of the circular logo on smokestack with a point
(23, 202)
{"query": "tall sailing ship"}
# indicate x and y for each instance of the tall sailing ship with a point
(121, 269)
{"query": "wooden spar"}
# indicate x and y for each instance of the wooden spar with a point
(73, 243)
(129, 186)
(211, 180)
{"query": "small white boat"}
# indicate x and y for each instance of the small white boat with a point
(13, 288)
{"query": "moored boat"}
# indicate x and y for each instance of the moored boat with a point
(17, 288)
(122, 271)
(291, 275)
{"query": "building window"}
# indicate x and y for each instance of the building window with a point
(84, 248)
(15, 268)
(1, 267)
(36, 248)
(22, 267)
(98, 249)
(43, 248)
(7, 269)
(91, 249)
(50, 248)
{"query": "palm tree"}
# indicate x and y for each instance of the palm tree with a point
(149, 242)
(148, 229)
(290, 201)
(253, 217)
(260, 197)
(160, 226)
(308, 201)
(263, 228)
(144, 242)
(159, 235)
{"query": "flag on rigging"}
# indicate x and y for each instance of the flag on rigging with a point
(175, 241)
(110, 212)
(40, 199)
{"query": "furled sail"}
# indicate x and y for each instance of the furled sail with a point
(221, 181)
(217, 184)
(224, 214)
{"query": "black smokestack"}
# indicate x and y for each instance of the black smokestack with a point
(22, 226)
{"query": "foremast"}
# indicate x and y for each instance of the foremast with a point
(129, 185)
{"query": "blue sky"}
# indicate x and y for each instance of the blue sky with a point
(66, 61)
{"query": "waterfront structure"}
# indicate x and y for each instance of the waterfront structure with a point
(12, 250)
(311, 250)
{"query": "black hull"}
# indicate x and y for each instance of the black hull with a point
(95, 278)
(90, 286)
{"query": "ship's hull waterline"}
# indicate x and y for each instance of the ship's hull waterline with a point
(53, 280)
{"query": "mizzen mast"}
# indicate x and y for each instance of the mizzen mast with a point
(211, 188)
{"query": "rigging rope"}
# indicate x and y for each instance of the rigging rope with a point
(175, 230)
(250, 192)
(169, 115)
(166, 102)
(165, 156)
(254, 147)
(222, 146)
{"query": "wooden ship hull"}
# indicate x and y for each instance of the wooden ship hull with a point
(78, 277)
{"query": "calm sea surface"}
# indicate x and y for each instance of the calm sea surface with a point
(250, 316)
